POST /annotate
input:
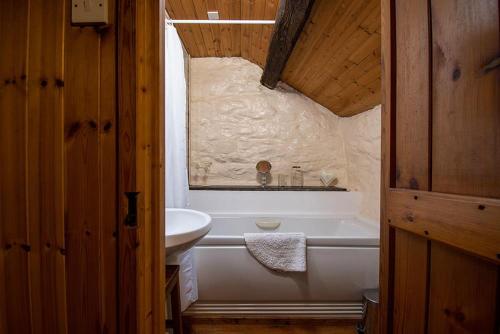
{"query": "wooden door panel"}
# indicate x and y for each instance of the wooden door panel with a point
(467, 223)
(412, 95)
(440, 233)
(141, 165)
(46, 166)
(14, 237)
(466, 103)
(82, 156)
(463, 293)
(57, 171)
(410, 282)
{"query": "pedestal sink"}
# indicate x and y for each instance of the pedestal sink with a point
(184, 228)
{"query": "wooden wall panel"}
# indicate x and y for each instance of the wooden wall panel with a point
(82, 199)
(248, 41)
(46, 168)
(466, 145)
(108, 124)
(412, 94)
(410, 283)
(463, 293)
(13, 184)
(58, 171)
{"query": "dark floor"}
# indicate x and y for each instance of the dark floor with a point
(266, 326)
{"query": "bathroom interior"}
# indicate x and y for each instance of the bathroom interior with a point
(249, 166)
(288, 171)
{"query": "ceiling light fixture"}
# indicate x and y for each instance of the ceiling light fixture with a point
(213, 15)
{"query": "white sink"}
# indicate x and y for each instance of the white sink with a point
(184, 228)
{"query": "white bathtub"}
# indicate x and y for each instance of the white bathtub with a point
(342, 261)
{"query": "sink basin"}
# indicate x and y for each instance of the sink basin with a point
(184, 228)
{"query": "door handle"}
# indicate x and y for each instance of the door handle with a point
(131, 217)
(491, 65)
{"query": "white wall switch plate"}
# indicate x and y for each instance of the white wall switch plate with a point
(89, 12)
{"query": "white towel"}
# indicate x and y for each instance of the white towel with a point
(188, 277)
(278, 251)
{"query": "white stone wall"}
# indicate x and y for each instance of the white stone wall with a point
(361, 134)
(235, 122)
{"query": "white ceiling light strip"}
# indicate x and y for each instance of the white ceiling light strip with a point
(221, 21)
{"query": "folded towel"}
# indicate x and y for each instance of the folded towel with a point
(278, 251)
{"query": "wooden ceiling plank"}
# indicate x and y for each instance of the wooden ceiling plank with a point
(256, 12)
(326, 28)
(372, 22)
(357, 107)
(217, 40)
(349, 70)
(357, 73)
(322, 78)
(197, 8)
(245, 30)
(223, 29)
(346, 29)
(341, 70)
(234, 10)
(366, 79)
(358, 101)
(291, 18)
(355, 90)
(267, 30)
(185, 32)
(371, 44)
(307, 74)
(322, 20)
(351, 99)
(185, 10)
(261, 43)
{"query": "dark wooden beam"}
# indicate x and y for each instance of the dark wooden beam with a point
(290, 19)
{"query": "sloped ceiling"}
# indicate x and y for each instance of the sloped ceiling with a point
(203, 40)
(336, 61)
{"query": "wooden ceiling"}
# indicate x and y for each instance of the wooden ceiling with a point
(203, 40)
(336, 61)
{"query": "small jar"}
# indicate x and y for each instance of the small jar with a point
(282, 180)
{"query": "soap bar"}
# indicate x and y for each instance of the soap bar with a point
(326, 178)
(268, 224)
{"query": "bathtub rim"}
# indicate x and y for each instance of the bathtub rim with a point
(324, 241)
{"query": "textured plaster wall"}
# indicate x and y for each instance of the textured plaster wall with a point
(235, 122)
(361, 135)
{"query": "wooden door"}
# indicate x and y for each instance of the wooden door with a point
(141, 139)
(68, 151)
(440, 228)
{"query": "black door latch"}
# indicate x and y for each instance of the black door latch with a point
(131, 218)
